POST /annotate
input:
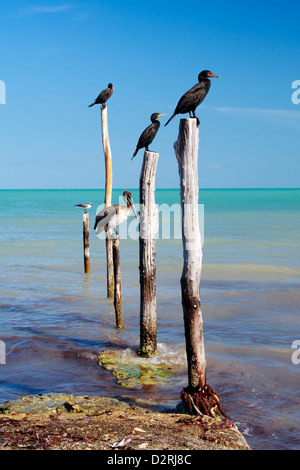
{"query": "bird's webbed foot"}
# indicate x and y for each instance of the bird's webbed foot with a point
(194, 116)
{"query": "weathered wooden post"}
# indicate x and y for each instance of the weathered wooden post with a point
(86, 242)
(198, 397)
(107, 201)
(147, 243)
(117, 283)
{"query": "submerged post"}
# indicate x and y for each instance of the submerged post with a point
(117, 283)
(147, 243)
(86, 242)
(107, 201)
(198, 397)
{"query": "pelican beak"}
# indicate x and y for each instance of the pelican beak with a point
(132, 205)
(133, 208)
(160, 115)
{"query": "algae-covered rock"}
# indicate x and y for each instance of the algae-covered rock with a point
(65, 422)
(50, 402)
(132, 370)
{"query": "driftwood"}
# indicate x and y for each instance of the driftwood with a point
(108, 195)
(117, 283)
(147, 244)
(86, 242)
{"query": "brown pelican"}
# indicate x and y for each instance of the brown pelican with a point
(114, 215)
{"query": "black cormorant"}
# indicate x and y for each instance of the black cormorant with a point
(148, 135)
(192, 98)
(104, 95)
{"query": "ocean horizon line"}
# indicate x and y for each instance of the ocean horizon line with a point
(160, 189)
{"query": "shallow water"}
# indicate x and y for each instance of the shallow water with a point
(54, 319)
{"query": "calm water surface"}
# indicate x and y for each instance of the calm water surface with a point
(54, 319)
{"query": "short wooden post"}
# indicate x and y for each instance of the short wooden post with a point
(117, 284)
(186, 149)
(147, 243)
(108, 195)
(86, 242)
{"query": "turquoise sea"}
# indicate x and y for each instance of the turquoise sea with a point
(54, 319)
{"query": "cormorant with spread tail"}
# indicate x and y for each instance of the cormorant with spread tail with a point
(149, 134)
(192, 98)
(104, 95)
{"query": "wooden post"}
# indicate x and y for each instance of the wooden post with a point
(86, 242)
(199, 397)
(117, 284)
(108, 194)
(147, 243)
(186, 149)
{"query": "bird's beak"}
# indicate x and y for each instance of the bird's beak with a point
(132, 205)
(133, 208)
(160, 115)
(216, 76)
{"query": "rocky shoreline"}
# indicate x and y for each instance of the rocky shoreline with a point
(66, 422)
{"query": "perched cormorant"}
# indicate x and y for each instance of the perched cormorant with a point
(114, 215)
(192, 98)
(104, 95)
(148, 135)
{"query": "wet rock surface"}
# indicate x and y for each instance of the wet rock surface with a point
(134, 371)
(65, 422)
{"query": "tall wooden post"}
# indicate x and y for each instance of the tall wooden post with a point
(186, 149)
(107, 201)
(86, 242)
(117, 284)
(147, 243)
(198, 397)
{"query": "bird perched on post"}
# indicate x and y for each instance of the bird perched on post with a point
(114, 215)
(149, 134)
(192, 98)
(86, 205)
(104, 95)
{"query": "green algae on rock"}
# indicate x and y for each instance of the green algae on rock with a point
(52, 403)
(135, 371)
(66, 422)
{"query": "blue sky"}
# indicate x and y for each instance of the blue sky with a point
(57, 56)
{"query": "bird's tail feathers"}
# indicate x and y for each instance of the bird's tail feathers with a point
(172, 117)
(90, 105)
(135, 153)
